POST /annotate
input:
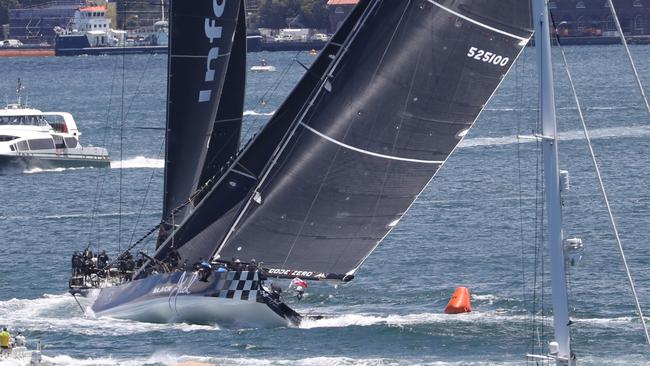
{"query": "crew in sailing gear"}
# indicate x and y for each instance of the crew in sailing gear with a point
(204, 269)
(275, 291)
(301, 285)
(20, 341)
(102, 260)
(173, 258)
(5, 337)
(77, 264)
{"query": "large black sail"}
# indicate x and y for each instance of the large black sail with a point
(413, 81)
(199, 51)
(224, 141)
(199, 236)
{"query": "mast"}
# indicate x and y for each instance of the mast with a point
(552, 185)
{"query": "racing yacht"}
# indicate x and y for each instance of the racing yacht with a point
(30, 138)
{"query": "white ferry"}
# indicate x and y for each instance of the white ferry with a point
(31, 139)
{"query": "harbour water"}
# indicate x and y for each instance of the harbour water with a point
(477, 225)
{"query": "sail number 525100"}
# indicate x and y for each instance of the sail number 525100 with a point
(489, 57)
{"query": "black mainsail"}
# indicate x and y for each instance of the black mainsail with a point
(360, 137)
(199, 236)
(202, 133)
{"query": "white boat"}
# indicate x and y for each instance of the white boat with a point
(20, 355)
(30, 138)
(263, 67)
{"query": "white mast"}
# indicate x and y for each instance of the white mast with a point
(552, 185)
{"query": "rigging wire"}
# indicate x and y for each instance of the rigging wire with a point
(519, 82)
(146, 194)
(636, 73)
(119, 225)
(102, 173)
(612, 221)
(268, 94)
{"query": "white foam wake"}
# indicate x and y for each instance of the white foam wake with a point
(255, 113)
(61, 312)
(138, 162)
(40, 170)
(499, 316)
(599, 133)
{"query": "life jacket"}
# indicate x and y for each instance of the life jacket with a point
(4, 339)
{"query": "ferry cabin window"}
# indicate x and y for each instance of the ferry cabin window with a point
(5, 138)
(22, 120)
(41, 144)
(57, 123)
(22, 146)
(70, 142)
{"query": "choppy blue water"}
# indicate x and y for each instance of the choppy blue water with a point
(475, 225)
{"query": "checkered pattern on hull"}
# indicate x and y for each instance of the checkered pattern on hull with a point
(238, 285)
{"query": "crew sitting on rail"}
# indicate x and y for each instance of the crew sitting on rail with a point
(77, 264)
(102, 260)
(173, 258)
(204, 269)
(126, 265)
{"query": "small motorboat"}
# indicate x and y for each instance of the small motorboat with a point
(32, 139)
(263, 66)
(19, 355)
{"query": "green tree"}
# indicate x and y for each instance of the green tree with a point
(314, 13)
(282, 13)
(5, 5)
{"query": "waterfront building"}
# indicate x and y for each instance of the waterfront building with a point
(574, 18)
(36, 24)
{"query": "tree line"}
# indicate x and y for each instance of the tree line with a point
(292, 13)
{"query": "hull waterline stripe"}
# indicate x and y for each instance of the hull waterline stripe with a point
(477, 22)
(390, 157)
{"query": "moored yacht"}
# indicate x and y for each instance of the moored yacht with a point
(30, 139)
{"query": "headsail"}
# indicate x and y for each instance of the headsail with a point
(199, 51)
(414, 80)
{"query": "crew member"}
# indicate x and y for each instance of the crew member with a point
(102, 260)
(5, 338)
(204, 269)
(20, 341)
(173, 258)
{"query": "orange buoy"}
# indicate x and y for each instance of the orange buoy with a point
(459, 302)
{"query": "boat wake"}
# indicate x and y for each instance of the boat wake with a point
(40, 170)
(599, 133)
(170, 358)
(499, 316)
(61, 312)
(138, 162)
(255, 113)
(75, 216)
